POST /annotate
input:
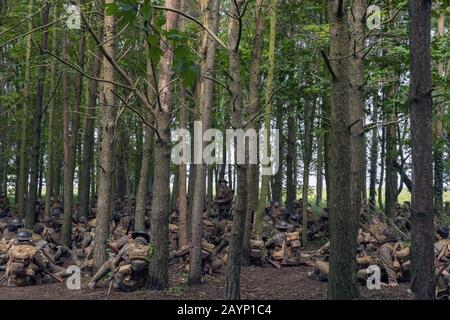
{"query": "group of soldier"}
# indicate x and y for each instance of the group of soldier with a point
(38, 256)
(385, 242)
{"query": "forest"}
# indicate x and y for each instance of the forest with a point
(224, 149)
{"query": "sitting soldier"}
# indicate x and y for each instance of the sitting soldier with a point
(27, 263)
(296, 214)
(4, 204)
(447, 208)
(319, 228)
(12, 228)
(223, 200)
(5, 244)
(129, 267)
(278, 213)
(442, 252)
(387, 257)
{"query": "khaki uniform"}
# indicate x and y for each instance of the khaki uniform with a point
(24, 265)
(223, 200)
(129, 267)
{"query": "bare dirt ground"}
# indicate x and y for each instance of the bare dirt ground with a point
(262, 283)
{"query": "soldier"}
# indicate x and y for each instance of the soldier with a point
(279, 213)
(129, 267)
(387, 257)
(319, 228)
(447, 208)
(12, 228)
(295, 216)
(441, 251)
(27, 263)
(223, 200)
(4, 204)
(6, 243)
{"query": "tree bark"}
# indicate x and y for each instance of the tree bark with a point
(420, 100)
(343, 234)
(264, 192)
(439, 137)
(88, 138)
(232, 282)
(158, 270)
(373, 157)
(50, 139)
(307, 156)
(22, 179)
(107, 116)
(254, 89)
(30, 217)
(210, 13)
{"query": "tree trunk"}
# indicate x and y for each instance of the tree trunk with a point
(373, 157)
(320, 164)
(210, 13)
(35, 152)
(254, 89)
(51, 117)
(107, 116)
(356, 101)
(343, 234)
(232, 282)
(88, 138)
(22, 180)
(158, 270)
(277, 185)
(382, 160)
(264, 192)
(290, 161)
(420, 100)
(71, 139)
(183, 236)
(439, 137)
(307, 156)
(143, 185)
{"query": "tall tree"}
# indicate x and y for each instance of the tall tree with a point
(343, 234)
(438, 128)
(205, 86)
(23, 175)
(107, 122)
(158, 271)
(264, 191)
(254, 105)
(232, 282)
(420, 102)
(37, 118)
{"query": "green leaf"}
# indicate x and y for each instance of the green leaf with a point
(112, 9)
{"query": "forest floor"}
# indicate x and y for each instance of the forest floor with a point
(264, 283)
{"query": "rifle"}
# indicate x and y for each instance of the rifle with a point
(113, 248)
(54, 276)
(129, 225)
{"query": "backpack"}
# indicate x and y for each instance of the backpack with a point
(137, 253)
(20, 258)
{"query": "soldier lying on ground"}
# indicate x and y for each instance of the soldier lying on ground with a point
(129, 266)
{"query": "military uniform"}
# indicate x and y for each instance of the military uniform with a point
(447, 208)
(4, 205)
(223, 200)
(442, 254)
(129, 266)
(28, 263)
